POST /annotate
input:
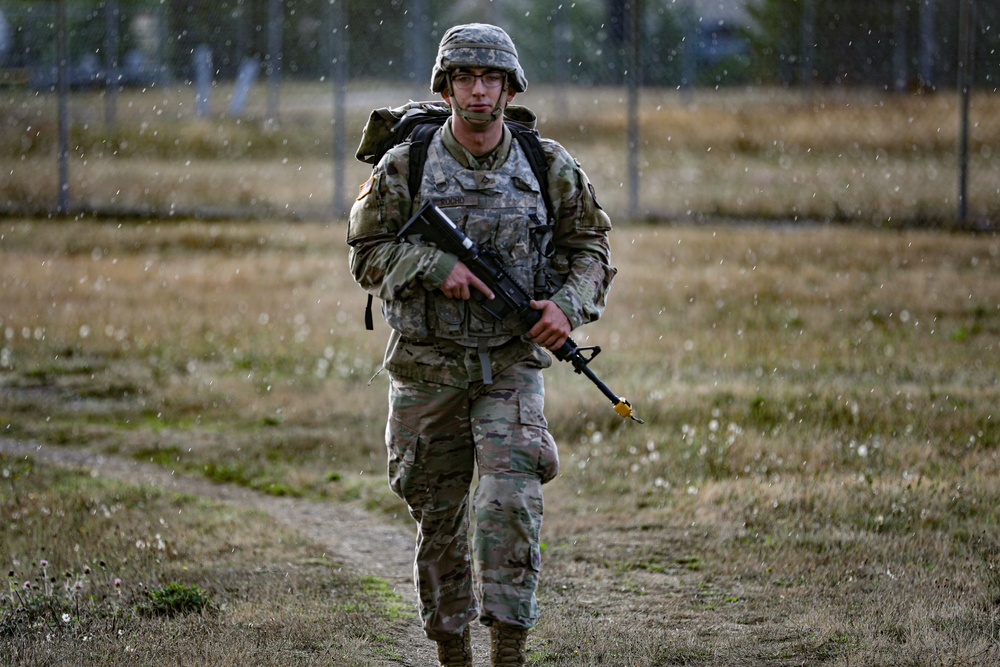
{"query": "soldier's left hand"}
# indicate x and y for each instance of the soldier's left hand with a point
(553, 329)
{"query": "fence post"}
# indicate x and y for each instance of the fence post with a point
(632, 81)
(900, 11)
(689, 50)
(563, 38)
(808, 63)
(966, 49)
(338, 64)
(62, 86)
(928, 44)
(418, 47)
(274, 45)
(112, 78)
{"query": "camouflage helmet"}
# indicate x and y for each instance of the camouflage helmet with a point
(477, 45)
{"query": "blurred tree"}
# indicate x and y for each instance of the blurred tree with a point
(859, 42)
(888, 44)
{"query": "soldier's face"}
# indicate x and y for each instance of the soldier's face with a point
(476, 89)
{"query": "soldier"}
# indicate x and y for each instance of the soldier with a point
(466, 389)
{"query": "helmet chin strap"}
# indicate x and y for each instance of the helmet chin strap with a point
(479, 117)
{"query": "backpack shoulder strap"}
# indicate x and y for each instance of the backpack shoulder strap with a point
(420, 140)
(532, 147)
(419, 137)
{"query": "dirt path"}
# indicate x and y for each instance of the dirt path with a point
(360, 540)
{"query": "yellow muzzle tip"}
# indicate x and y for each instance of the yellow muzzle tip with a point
(624, 410)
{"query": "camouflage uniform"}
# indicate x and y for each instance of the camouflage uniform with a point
(444, 419)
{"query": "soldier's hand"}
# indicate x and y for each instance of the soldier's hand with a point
(553, 329)
(459, 284)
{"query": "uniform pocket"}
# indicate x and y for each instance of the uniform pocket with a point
(512, 236)
(532, 410)
(408, 316)
(535, 451)
(405, 478)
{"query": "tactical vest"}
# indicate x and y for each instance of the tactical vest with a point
(501, 208)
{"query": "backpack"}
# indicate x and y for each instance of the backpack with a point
(417, 122)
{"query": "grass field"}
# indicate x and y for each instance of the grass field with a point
(815, 483)
(111, 573)
(836, 155)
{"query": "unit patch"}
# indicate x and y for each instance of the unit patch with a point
(366, 187)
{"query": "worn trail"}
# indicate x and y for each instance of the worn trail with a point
(364, 542)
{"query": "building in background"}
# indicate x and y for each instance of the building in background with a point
(722, 26)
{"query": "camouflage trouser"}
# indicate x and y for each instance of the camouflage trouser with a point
(435, 436)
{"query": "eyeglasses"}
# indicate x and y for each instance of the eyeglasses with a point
(465, 80)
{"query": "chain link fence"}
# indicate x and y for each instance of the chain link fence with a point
(253, 108)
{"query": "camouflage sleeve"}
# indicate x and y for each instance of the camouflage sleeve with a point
(379, 263)
(582, 252)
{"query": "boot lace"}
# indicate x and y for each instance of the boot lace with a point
(456, 652)
(508, 644)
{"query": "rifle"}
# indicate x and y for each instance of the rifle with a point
(432, 225)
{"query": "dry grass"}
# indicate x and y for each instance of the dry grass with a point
(816, 481)
(773, 154)
(93, 550)
(836, 155)
(817, 477)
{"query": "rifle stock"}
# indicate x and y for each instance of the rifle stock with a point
(432, 225)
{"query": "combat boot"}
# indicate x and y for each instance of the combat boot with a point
(457, 651)
(508, 645)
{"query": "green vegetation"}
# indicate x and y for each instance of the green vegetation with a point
(176, 598)
(815, 480)
(104, 573)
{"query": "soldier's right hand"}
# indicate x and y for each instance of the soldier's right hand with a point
(461, 280)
